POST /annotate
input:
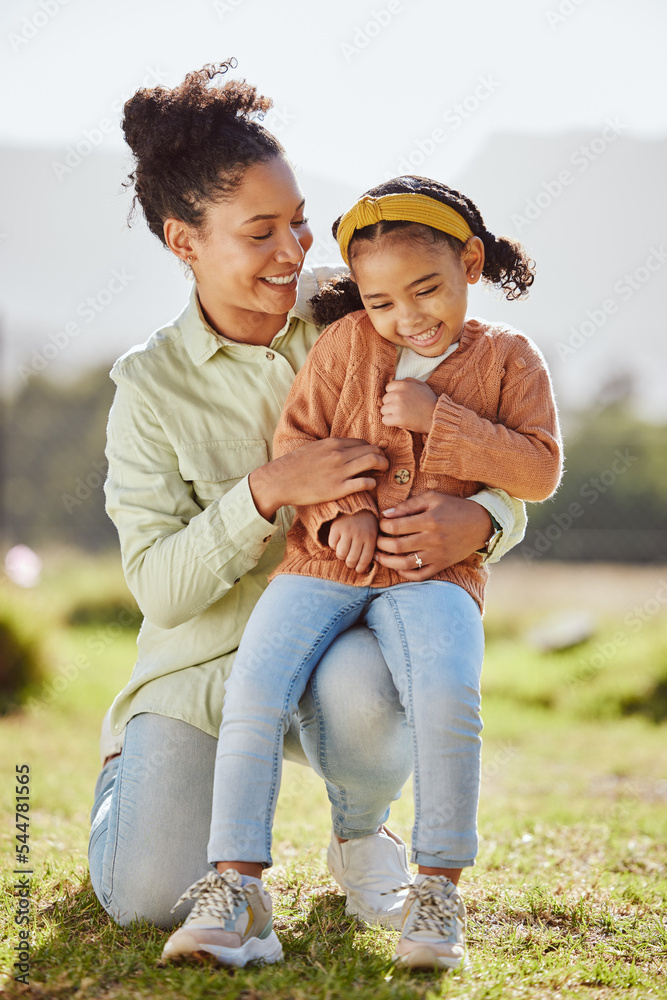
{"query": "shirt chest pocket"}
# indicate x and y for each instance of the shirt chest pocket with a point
(214, 467)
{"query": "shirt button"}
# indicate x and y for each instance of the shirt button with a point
(237, 580)
(270, 355)
(268, 538)
(402, 476)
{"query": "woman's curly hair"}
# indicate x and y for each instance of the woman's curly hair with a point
(193, 143)
(506, 264)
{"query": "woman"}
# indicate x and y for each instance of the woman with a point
(202, 510)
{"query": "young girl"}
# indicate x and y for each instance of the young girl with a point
(454, 403)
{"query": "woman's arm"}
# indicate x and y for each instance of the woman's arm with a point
(446, 529)
(329, 467)
(509, 514)
(179, 559)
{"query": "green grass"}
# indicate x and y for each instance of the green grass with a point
(568, 896)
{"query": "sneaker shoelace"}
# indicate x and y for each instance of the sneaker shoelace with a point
(435, 911)
(216, 894)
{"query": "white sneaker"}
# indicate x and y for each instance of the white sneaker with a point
(110, 745)
(373, 872)
(434, 926)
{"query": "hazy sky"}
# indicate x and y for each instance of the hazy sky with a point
(363, 90)
(357, 85)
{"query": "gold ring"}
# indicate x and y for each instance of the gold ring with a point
(419, 562)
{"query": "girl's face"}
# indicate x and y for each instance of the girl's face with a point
(416, 295)
(250, 258)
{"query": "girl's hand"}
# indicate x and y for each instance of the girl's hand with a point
(352, 537)
(408, 403)
(441, 529)
(316, 472)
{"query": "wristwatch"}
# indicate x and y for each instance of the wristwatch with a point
(495, 536)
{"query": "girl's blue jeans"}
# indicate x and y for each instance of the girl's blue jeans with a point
(152, 813)
(431, 638)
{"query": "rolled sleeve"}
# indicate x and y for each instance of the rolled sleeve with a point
(509, 513)
(241, 521)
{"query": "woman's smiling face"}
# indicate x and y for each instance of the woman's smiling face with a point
(249, 255)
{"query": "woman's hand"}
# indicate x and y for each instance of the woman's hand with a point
(441, 530)
(316, 472)
(352, 537)
(408, 403)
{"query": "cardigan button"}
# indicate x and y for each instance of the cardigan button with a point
(402, 476)
(270, 355)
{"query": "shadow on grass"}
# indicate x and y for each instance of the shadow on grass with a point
(81, 953)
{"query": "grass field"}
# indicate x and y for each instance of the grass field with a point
(568, 896)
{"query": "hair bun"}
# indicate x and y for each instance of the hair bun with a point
(192, 143)
(160, 119)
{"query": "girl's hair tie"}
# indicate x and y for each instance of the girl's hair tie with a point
(400, 208)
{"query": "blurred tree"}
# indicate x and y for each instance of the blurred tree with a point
(55, 465)
(610, 507)
(612, 501)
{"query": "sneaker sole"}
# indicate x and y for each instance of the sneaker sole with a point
(268, 951)
(388, 920)
(426, 958)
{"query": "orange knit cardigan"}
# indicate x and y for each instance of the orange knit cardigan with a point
(495, 424)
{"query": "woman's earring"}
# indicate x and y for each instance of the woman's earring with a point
(189, 259)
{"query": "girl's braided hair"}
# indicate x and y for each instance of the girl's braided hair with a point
(506, 264)
(193, 143)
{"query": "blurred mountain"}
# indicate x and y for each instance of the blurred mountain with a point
(78, 287)
(599, 237)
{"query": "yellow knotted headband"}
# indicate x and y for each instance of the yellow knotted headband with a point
(400, 208)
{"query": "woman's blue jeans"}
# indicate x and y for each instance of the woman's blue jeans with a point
(152, 813)
(432, 641)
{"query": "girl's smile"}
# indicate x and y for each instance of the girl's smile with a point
(416, 294)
